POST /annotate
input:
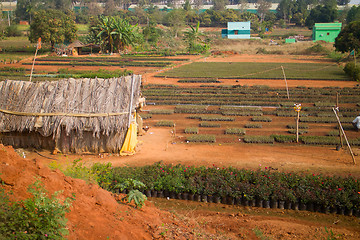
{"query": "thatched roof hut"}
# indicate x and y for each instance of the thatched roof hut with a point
(74, 115)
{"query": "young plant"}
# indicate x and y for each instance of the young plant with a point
(38, 217)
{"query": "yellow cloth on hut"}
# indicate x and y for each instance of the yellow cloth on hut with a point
(128, 148)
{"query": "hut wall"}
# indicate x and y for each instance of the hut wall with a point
(27, 140)
(87, 142)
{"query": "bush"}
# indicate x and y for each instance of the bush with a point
(261, 119)
(242, 113)
(191, 109)
(320, 140)
(202, 138)
(284, 138)
(208, 124)
(237, 131)
(164, 123)
(216, 118)
(38, 217)
(192, 130)
(301, 126)
(258, 139)
(162, 111)
(12, 31)
(253, 125)
(352, 71)
(301, 131)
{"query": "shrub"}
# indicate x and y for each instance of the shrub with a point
(301, 126)
(216, 118)
(258, 139)
(199, 80)
(201, 138)
(237, 131)
(241, 113)
(208, 124)
(145, 115)
(284, 138)
(191, 109)
(162, 111)
(352, 71)
(301, 131)
(261, 119)
(253, 125)
(192, 130)
(333, 133)
(320, 140)
(164, 123)
(324, 104)
(38, 217)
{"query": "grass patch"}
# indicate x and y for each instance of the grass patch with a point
(314, 71)
(164, 123)
(236, 131)
(191, 130)
(201, 138)
(259, 139)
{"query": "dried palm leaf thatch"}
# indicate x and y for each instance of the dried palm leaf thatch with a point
(71, 111)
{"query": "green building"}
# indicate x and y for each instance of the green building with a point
(326, 31)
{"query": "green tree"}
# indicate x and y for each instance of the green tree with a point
(53, 26)
(176, 20)
(114, 33)
(349, 38)
(263, 8)
(321, 14)
(286, 9)
(219, 5)
(353, 14)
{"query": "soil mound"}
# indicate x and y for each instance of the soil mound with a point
(95, 213)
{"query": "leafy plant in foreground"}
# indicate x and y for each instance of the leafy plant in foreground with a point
(38, 217)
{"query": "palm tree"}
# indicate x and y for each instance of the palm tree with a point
(192, 36)
(115, 33)
(103, 31)
(124, 34)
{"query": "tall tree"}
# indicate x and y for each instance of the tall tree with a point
(353, 14)
(321, 14)
(219, 5)
(349, 38)
(53, 26)
(110, 8)
(263, 7)
(286, 9)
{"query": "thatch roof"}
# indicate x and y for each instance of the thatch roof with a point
(70, 105)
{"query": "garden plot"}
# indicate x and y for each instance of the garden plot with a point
(231, 109)
(251, 70)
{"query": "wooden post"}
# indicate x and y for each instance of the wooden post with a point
(337, 109)
(287, 89)
(174, 130)
(38, 46)
(343, 132)
(297, 126)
